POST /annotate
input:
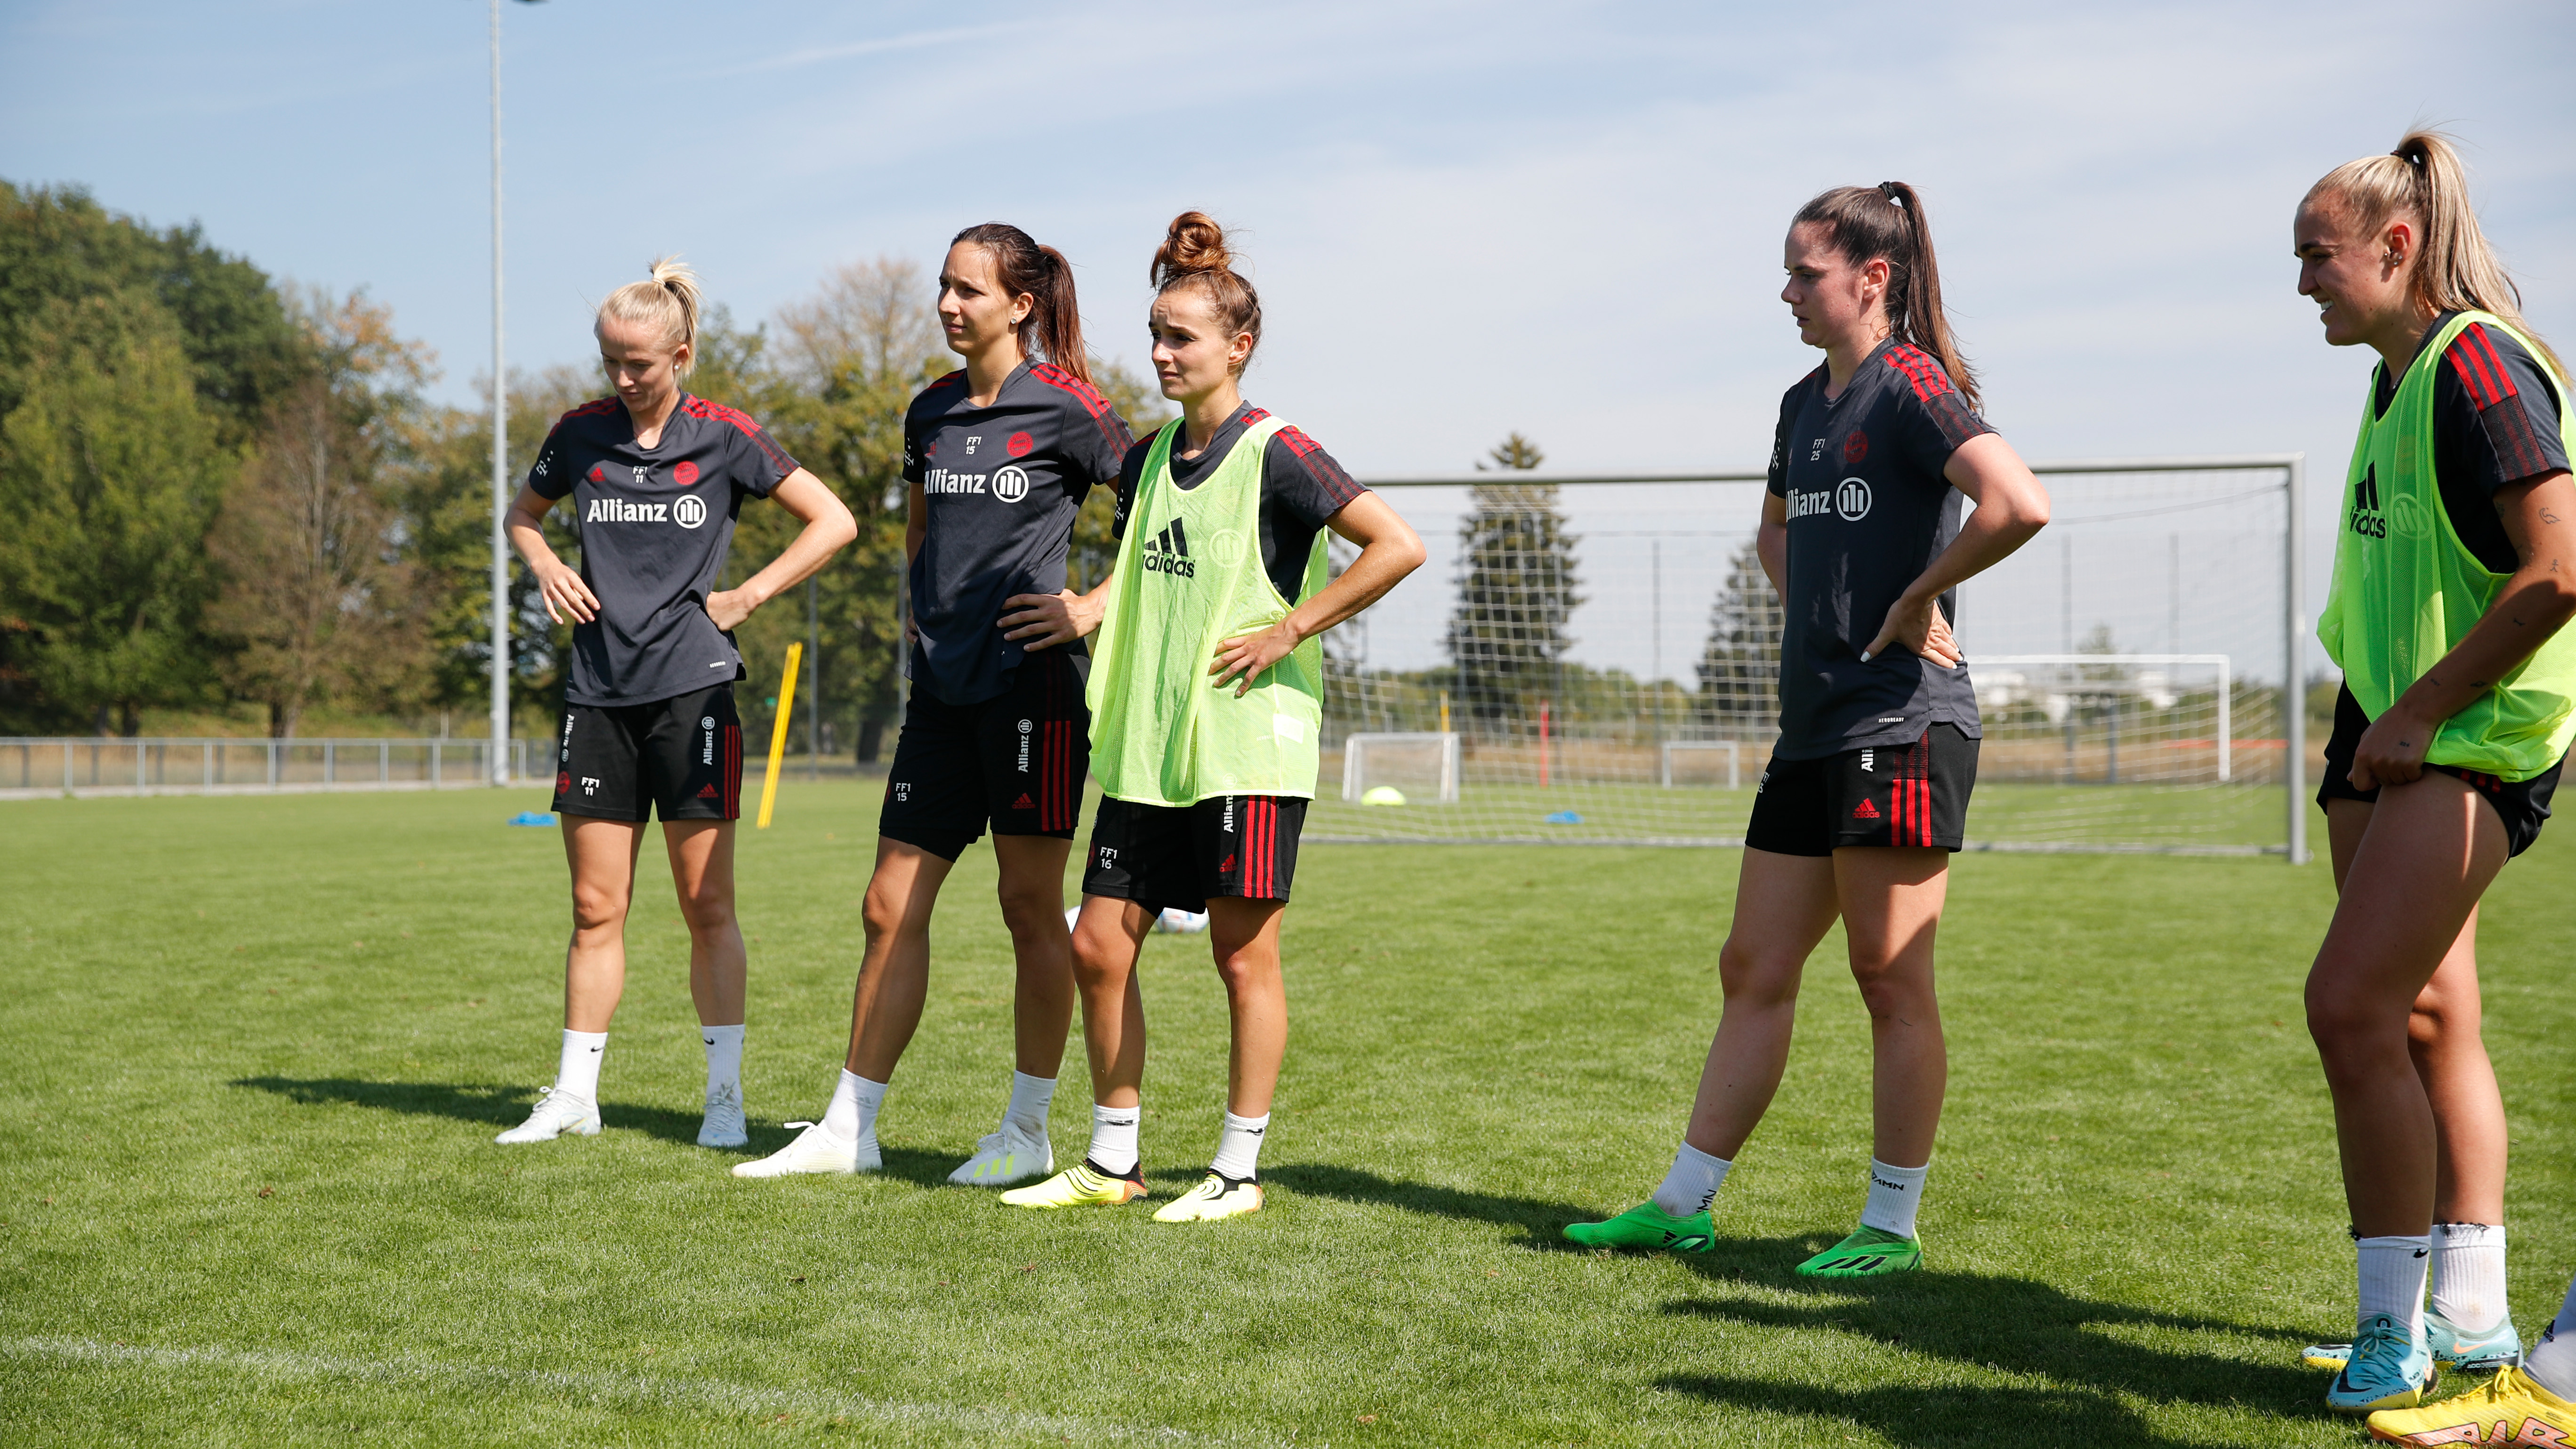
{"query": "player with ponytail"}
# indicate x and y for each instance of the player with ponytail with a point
(1877, 452)
(657, 478)
(2455, 570)
(1208, 715)
(998, 457)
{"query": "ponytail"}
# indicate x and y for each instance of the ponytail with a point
(1194, 255)
(2455, 270)
(1886, 223)
(1024, 268)
(669, 302)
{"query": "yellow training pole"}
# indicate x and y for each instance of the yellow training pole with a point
(1444, 711)
(778, 731)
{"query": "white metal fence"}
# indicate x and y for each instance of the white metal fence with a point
(107, 765)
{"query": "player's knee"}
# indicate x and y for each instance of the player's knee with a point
(1100, 958)
(881, 912)
(707, 911)
(1027, 910)
(598, 907)
(2338, 1021)
(1753, 978)
(1888, 988)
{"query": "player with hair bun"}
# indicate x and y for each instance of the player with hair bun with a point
(657, 478)
(1866, 793)
(998, 457)
(1207, 707)
(2455, 570)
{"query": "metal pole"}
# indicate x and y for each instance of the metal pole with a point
(2294, 698)
(500, 454)
(813, 683)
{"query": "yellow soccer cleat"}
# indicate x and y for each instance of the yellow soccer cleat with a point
(1219, 1196)
(2510, 1409)
(1081, 1185)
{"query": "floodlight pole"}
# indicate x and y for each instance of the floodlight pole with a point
(2294, 689)
(500, 457)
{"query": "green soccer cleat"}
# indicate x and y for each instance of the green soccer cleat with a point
(1647, 1226)
(1867, 1253)
(2481, 1352)
(1081, 1185)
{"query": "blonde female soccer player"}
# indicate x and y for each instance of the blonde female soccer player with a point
(656, 478)
(997, 459)
(1207, 707)
(1866, 793)
(2455, 566)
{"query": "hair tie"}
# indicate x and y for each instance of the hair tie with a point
(1888, 190)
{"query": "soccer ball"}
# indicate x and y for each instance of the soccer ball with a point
(1383, 795)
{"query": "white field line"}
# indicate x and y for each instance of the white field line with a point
(632, 1390)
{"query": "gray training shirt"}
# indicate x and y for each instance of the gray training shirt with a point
(1868, 512)
(654, 524)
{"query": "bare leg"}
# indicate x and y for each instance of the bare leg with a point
(1244, 937)
(1784, 904)
(2410, 886)
(1107, 939)
(1032, 892)
(1892, 900)
(2450, 1057)
(894, 973)
(701, 854)
(602, 856)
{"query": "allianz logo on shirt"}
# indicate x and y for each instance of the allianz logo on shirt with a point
(1848, 500)
(1009, 483)
(1168, 552)
(688, 511)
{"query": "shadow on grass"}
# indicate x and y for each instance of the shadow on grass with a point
(1998, 1324)
(1352, 1184)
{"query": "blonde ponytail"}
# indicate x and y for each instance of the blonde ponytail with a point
(2455, 269)
(668, 302)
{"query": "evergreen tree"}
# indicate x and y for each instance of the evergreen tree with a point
(1516, 590)
(1739, 666)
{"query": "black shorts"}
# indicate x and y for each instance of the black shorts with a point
(2523, 805)
(681, 757)
(1016, 760)
(1913, 794)
(1235, 846)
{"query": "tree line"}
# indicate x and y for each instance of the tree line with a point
(229, 494)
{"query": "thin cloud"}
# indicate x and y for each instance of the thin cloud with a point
(915, 41)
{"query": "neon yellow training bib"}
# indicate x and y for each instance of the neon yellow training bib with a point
(2406, 590)
(1163, 732)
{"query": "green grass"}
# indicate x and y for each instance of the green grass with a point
(256, 1049)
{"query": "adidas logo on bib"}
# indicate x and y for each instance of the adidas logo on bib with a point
(1168, 552)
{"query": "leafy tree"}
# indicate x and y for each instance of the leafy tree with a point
(1739, 666)
(113, 470)
(1516, 591)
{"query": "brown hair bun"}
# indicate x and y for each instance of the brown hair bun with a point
(1194, 255)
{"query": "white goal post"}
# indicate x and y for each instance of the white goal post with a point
(1734, 759)
(2145, 677)
(1424, 759)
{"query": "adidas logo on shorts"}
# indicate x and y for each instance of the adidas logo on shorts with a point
(1024, 803)
(1864, 811)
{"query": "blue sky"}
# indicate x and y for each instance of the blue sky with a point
(1465, 218)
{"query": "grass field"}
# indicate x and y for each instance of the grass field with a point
(257, 1048)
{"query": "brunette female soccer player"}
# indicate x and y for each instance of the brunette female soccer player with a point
(656, 478)
(997, 459)
(1867, 789)
(2455, 566)
(1208, 712)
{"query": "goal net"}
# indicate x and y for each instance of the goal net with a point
(1595, 661)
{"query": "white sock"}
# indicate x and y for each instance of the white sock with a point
(2468, 1274)
(2553, 1360)
(1895, 1196)
(1030, 1098)
(1238, 1146)
(1113, 1139)
(577, 1073)
(724, 1058)
(852, 1117)
(1693, 1182)
(2392, 1280)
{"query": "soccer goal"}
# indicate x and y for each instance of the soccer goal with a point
(1595, 660)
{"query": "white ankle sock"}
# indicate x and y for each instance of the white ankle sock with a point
(578, 1071)
(2468, 1274)
(2553, 1360)
(1693, 1182)
(724, 1058)
(1895, 1196)
(1238, 1146)
(1113, 1139)
(2392, 1280)
(1030, 1098)
(852, 1117)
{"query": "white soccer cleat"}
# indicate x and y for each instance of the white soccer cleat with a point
(724, 1124)
(1005, 1157)
(556, 1113)
(814, 1150)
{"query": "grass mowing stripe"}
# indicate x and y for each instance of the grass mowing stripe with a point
(627, 1390)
